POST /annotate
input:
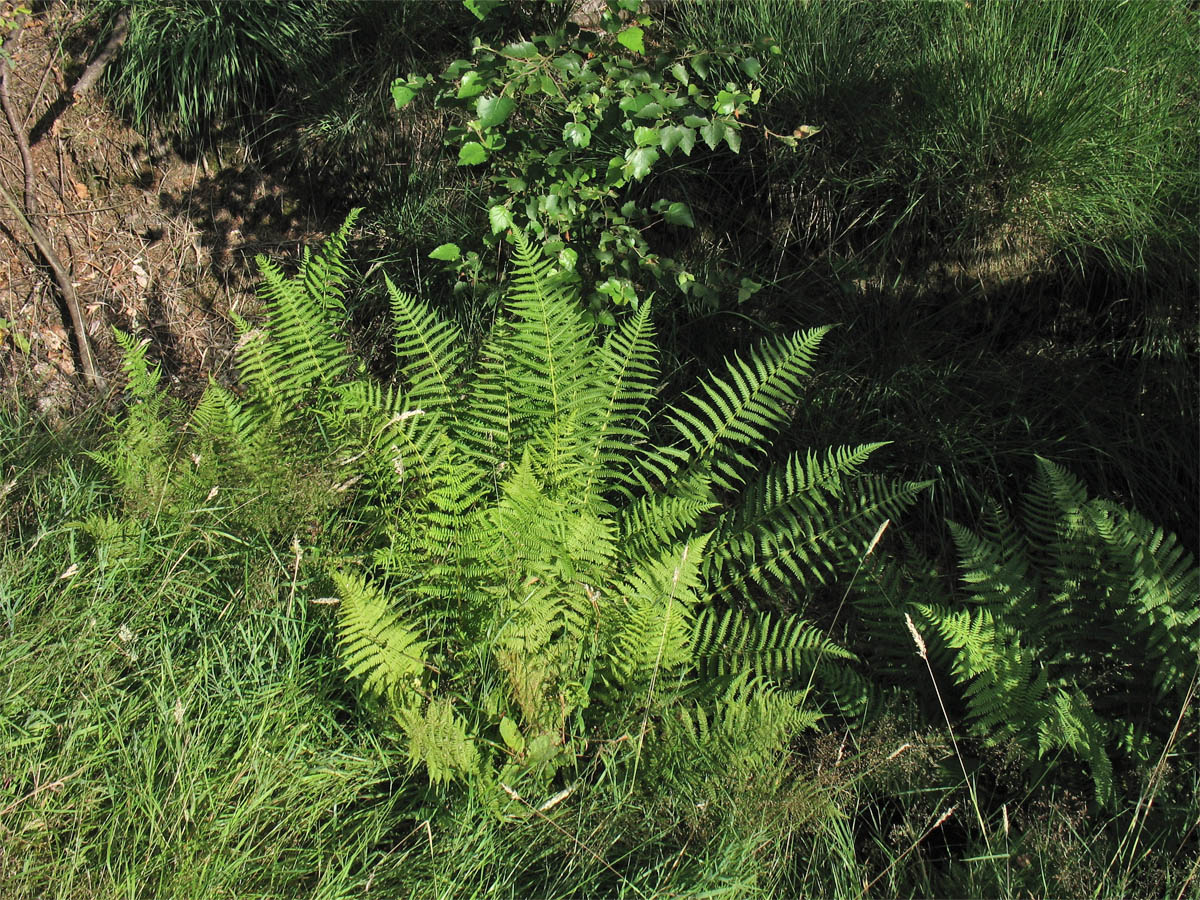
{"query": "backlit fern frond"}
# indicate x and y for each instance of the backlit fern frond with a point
(429, 352)
(301, 344)
(439, 740)
(730, 419)
(376, 645)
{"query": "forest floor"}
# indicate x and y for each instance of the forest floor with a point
(157, 244)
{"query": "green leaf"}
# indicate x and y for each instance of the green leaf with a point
(470, 86)
(522, 50)
(644, 137)
(679, 214)
(681, 73)
(639, 161)
(471, 154)
(446, 252)
(512, 735)
(480, 8)
(493, 110)
(712, 134)
(500, 217)
(577, 133)
(700, 64)
(724, 103)
(402, 94)
(733, 137)
(632, 37)
(751, 66)
(675, 136)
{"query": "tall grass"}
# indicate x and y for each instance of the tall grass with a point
(1061, 127)
(172, 723)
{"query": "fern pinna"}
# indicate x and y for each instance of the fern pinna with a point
(540, 572)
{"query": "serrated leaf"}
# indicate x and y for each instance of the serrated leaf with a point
(681, 73)
(500, 217)
(644, 137)
(679, 214)
(577, 133)
(638, 162)
(672, 136)
(632, 37)
(470, 86)
(751, 66)
(712, 134)
(445, 252)
(471, 154)
(493, 110)
(733, 137)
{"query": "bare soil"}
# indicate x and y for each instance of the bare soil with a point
(159, 246)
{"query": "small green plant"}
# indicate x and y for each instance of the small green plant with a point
(191, 64)
(569, 127)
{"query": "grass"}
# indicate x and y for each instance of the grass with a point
(173, 723)
(952, 128)
(1001, 211)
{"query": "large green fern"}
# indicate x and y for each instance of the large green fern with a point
(535, 572)
(576, 579)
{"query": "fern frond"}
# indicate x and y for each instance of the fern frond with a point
(630, 368)
(659, 518)
(729, 419)
(439, 740)
(807, 540)
(301, 345)
(376, 645)
(550, 375)
(776, 647)
(654, 616)
(429, 350)
(1070, 723)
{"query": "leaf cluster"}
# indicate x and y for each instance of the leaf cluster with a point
(568, 127)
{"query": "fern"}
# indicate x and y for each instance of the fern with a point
(137, 457)
(376, 646)
(535, 559)
(1059, 616)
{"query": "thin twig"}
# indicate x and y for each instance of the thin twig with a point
(63, 280)
(28, 216)
(96, 67)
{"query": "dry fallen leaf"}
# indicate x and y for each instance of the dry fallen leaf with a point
(81, 190)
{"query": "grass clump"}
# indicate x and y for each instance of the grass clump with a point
(954, 128)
